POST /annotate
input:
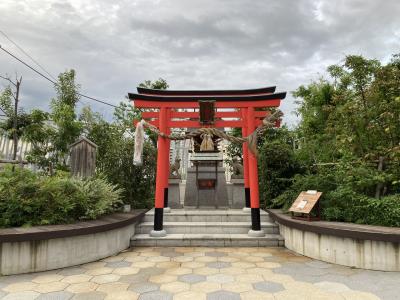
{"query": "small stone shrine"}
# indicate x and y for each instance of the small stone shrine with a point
(206, 183)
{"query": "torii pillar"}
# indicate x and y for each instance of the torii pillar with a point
(162, 176)
(255, 230)
(167, 209)
(245, 152)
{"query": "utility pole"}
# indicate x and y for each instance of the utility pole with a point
(17, 85)
(15, 125)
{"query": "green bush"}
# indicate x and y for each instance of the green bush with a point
(27, 198)
(342, 198)
(115, 160)
(346, 205)
(324, 182)
(277, 165)
(101, 197)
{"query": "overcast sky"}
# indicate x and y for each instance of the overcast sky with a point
(196, 44)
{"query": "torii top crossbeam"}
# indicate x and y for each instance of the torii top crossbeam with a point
(152, 98)
(183, 109)
(224, 99)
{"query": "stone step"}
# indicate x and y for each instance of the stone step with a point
(207, 240)
(217, 215)
(207, 227)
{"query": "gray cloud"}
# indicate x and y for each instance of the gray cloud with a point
(201, 44)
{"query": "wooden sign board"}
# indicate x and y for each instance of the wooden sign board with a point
(305, 202)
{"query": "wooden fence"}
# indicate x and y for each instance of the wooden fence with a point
(6, 148)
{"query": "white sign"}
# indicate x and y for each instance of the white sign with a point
(302, 204)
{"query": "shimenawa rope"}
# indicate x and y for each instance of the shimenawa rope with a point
(251, 139)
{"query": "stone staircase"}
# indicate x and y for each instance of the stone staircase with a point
(213, 228)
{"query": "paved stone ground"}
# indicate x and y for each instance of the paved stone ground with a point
(203, 273)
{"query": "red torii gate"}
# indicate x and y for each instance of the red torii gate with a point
(246, 116)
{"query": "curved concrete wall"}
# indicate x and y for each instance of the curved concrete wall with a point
(41, 248)
(42, 255)
(360, 253)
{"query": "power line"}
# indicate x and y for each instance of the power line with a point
(36, 62)
(52, 81)
(23, 51)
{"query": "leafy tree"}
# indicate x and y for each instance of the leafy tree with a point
(52, 133)
(6, 101)
(277, 164)
(159, 84)
(354, 118)
(40, 133)
(23, 121)
(314, 131)
(115, 142)
(115, 155)
(350, 141)
(64, 117)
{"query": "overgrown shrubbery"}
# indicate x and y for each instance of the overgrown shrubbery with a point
(277, 164)
(28, 198)
(53, 197)
(347, 145)
(51, 133)
(115, 155)
(342, 202)
(347, 195)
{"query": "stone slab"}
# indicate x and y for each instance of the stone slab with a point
(208, 240)
(174, 197)
(209, 227)
(238, 195)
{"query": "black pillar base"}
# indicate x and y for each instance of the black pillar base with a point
(255, 219)
(247, 196)
(165, 197)
(158, 218)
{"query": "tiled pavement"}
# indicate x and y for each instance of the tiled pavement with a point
(203, 273)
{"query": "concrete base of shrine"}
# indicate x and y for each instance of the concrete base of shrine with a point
(256, 233)
(237, 189)
(174, 198)
(158, 233)
(208, 228)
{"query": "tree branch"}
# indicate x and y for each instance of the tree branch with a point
(9, 80)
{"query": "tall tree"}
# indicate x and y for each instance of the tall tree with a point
(63, 115)
(52, 133)
(354, 119)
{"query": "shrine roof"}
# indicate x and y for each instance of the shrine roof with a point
(258, 91)
(218, 98)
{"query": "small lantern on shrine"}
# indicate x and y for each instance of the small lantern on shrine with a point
(83, 158)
